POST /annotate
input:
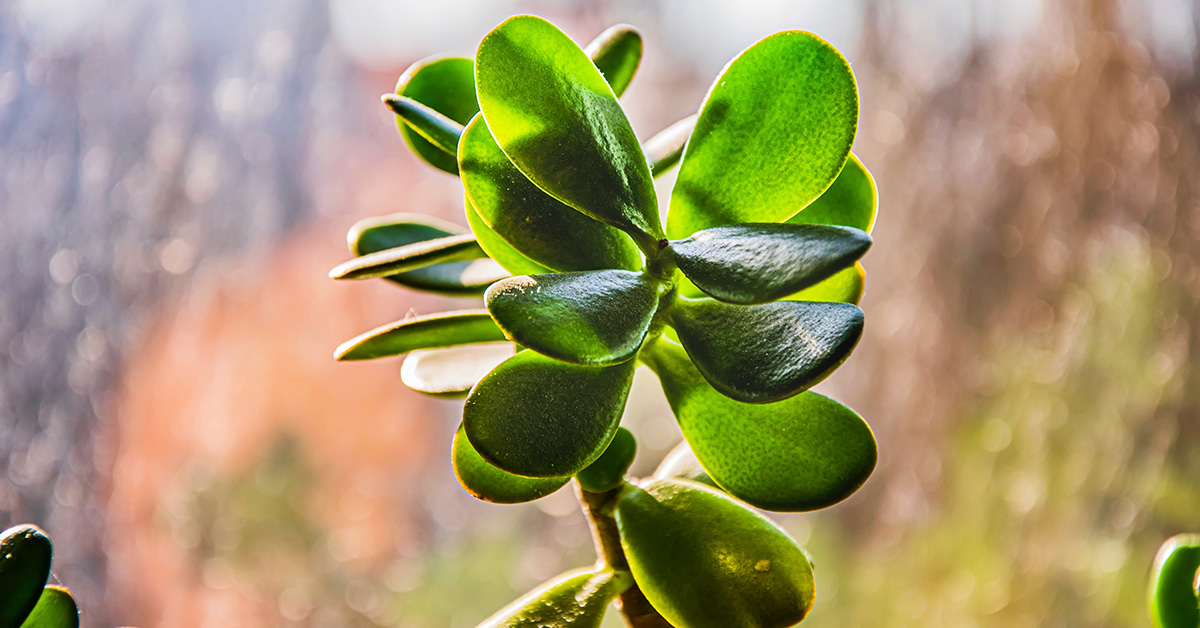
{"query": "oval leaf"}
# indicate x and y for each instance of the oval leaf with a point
(663, 150)
(845, 286)
(455, 248)
(497, 248)
(533, 222)
(439, 130)
(596, 317)
(538, 417)
(55, 609)
(773, 134)
(706, 561)
(576, 599)
(1173, 594)
(446, 85)
(444, 329)
(558, 120)
(483, 481)
(453, 371)
(850, 202)
(386, 232)
(617, 52)
(800, 454)
(608, 471)
(761, 262)
(25, 554)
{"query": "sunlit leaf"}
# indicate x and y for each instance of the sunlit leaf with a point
(576, 599)
(664, 149)
(845, 286)
(850, 202)
(617, 52)
(486, 482)
(446, 85)
(497, 248)
(452, 371)
(444, 329)
(55, 609)
(455, 248)
(25, 553)
(608, 471)
(370, 235)
(434, 127)
(1174, 601)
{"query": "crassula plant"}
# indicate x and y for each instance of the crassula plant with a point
(26, 598)
(742, 302)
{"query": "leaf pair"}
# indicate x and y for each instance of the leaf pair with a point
(26, 601)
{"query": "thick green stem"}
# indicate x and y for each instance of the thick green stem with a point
(634, 606)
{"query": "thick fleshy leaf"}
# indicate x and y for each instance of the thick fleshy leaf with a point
(760, 262)
(55, 609)
(617, 52)
(608, 471)
(850, 202)
(455, 248)
(531, 221)
(496, 248)
(436, 128)
(845, 286)
(800, 454)
(1174, 598)
(576, 599)
(452, 371)
(557, 119)
(446, 85)
(764, 353)
(681, 464)
(370, 235)
(594, 317)
(445, 329)
(773, 134)
(25, 554)
(705, 561)
(486, 482)
(664, 150)
(538, 417)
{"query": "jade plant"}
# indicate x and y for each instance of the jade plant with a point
(1175, 583)
(744, 300)
(26, 600)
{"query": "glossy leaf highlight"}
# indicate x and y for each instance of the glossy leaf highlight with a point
(444, 329)
(484, 481)
(370, 235)
(455, 248)
(576, 599)
(25, 554)
(446, 85)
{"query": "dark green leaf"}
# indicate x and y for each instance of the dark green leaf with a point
(617, 53)
(496, 248)
(558, 120)
(25, 554)
(593, 317)
(800, 454)
(55, 609)
(490, 484)
(538, 417)
(576, 599)
(845, 286)
(436, 128)
(533, 222)
(451, 372)
(681, 464)
(386, 232)
(446, 85)
(455, 248)
(850, 202)
(773, 134)
(608, 471)
(444, 329)
(663, 150)
(760, 262)
(706, 561)
(1174, 601)
(764, 353)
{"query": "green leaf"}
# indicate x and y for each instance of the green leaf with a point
(538, 417)
(370, 235)
(25, 553)
(764, 353)
(55, 609)
(451, 372)
(617, 52)
(576, 599)
(608, 471)
(496, 248)
(850, 202)
(444, 329)
(845, 286)
(681, 464)
(773, 134)
(446, 85)
(558, 120)
(486, 482)
(760, 262)
(434, 127)
(1174, 599)
(800, 454)
(531, 221)
(664, 150)
(706, 561)
(594, 317)
(455, 248)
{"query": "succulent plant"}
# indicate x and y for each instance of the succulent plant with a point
(1175, 583)
(26, 600)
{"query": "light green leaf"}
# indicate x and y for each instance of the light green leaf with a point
(531, 221)
(764, 353)
(55, 609)
(446, 85)
(576, 599)
(538, 417)
(455, 248)
(850, 202)
(845, 286)
(594, 317)
(664, 149)
(773, 134)
(558, 120)
(496, 248)
(434, 127)
(608, 471)
(617, 52)
(25, 554)
(1174, 599)
(760, 262)
(370, 235)
(486, 482)
(800, 454)
(452, 371)
(706, 561)
(444, 329)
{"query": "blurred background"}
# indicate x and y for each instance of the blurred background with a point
(177, 176)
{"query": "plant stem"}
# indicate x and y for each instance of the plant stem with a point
(634, 606)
